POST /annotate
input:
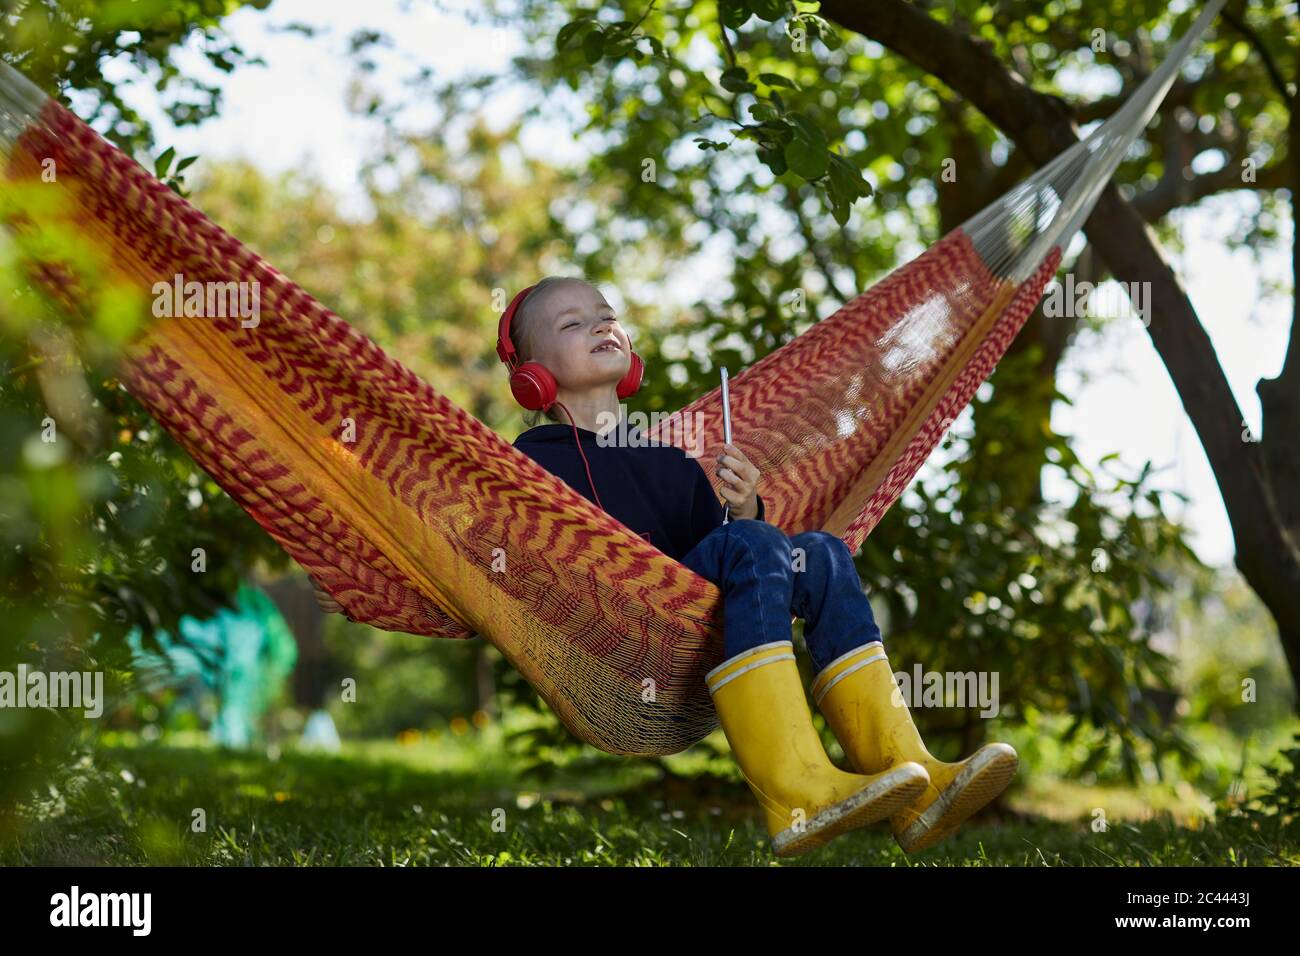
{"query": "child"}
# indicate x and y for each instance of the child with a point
(571, 360)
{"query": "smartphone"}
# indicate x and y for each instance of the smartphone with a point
(726, 432)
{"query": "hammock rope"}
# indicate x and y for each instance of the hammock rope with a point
(408, 523)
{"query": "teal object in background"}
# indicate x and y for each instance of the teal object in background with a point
(243, 655)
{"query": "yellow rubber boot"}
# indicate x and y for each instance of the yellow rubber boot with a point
(864, 706)
(806, 799)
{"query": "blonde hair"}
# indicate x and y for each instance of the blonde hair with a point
(521, 331)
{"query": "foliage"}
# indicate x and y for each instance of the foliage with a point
(100, 512)
(1274, 812)
(64, 45)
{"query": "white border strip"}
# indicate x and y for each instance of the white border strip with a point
(749, 653)
(749, 667)
(846, 672)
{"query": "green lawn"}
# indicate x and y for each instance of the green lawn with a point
(460, 802)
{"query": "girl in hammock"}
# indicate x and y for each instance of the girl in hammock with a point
(571, 361)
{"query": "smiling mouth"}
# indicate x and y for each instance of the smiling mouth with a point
(607, 347)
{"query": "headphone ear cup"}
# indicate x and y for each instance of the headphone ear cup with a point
(533, 387)
(632, 380)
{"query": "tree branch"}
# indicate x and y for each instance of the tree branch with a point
(1270, 65)
(1170, 193)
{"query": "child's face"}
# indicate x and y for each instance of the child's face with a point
(574, 334)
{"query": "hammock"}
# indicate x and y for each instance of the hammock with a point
(408, 525)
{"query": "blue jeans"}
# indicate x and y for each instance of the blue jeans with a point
(753, 562)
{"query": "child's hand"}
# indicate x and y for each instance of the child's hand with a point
(323, 598)
(741, 482)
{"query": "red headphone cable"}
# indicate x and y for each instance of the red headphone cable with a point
(578, 440)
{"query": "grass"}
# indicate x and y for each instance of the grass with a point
(460, 802)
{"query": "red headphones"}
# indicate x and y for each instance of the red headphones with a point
(531, 384)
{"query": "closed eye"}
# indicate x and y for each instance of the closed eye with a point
(569, 325)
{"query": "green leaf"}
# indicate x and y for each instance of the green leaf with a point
(846, 177)
(775, 160)
(163, 162)
(776, 79)
(770, 10)
(846, 186)
(822, 29)
(619, 47)
(840, 210)
(733, 13)
(593, 46)
(571, 34)
(807, 130)
(807, 159)
(736, 80)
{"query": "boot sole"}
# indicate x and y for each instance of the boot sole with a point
(894, 791)
(989, 772)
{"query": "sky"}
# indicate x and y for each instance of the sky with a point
(291, 114)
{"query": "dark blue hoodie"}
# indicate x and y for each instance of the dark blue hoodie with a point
(657, 491)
